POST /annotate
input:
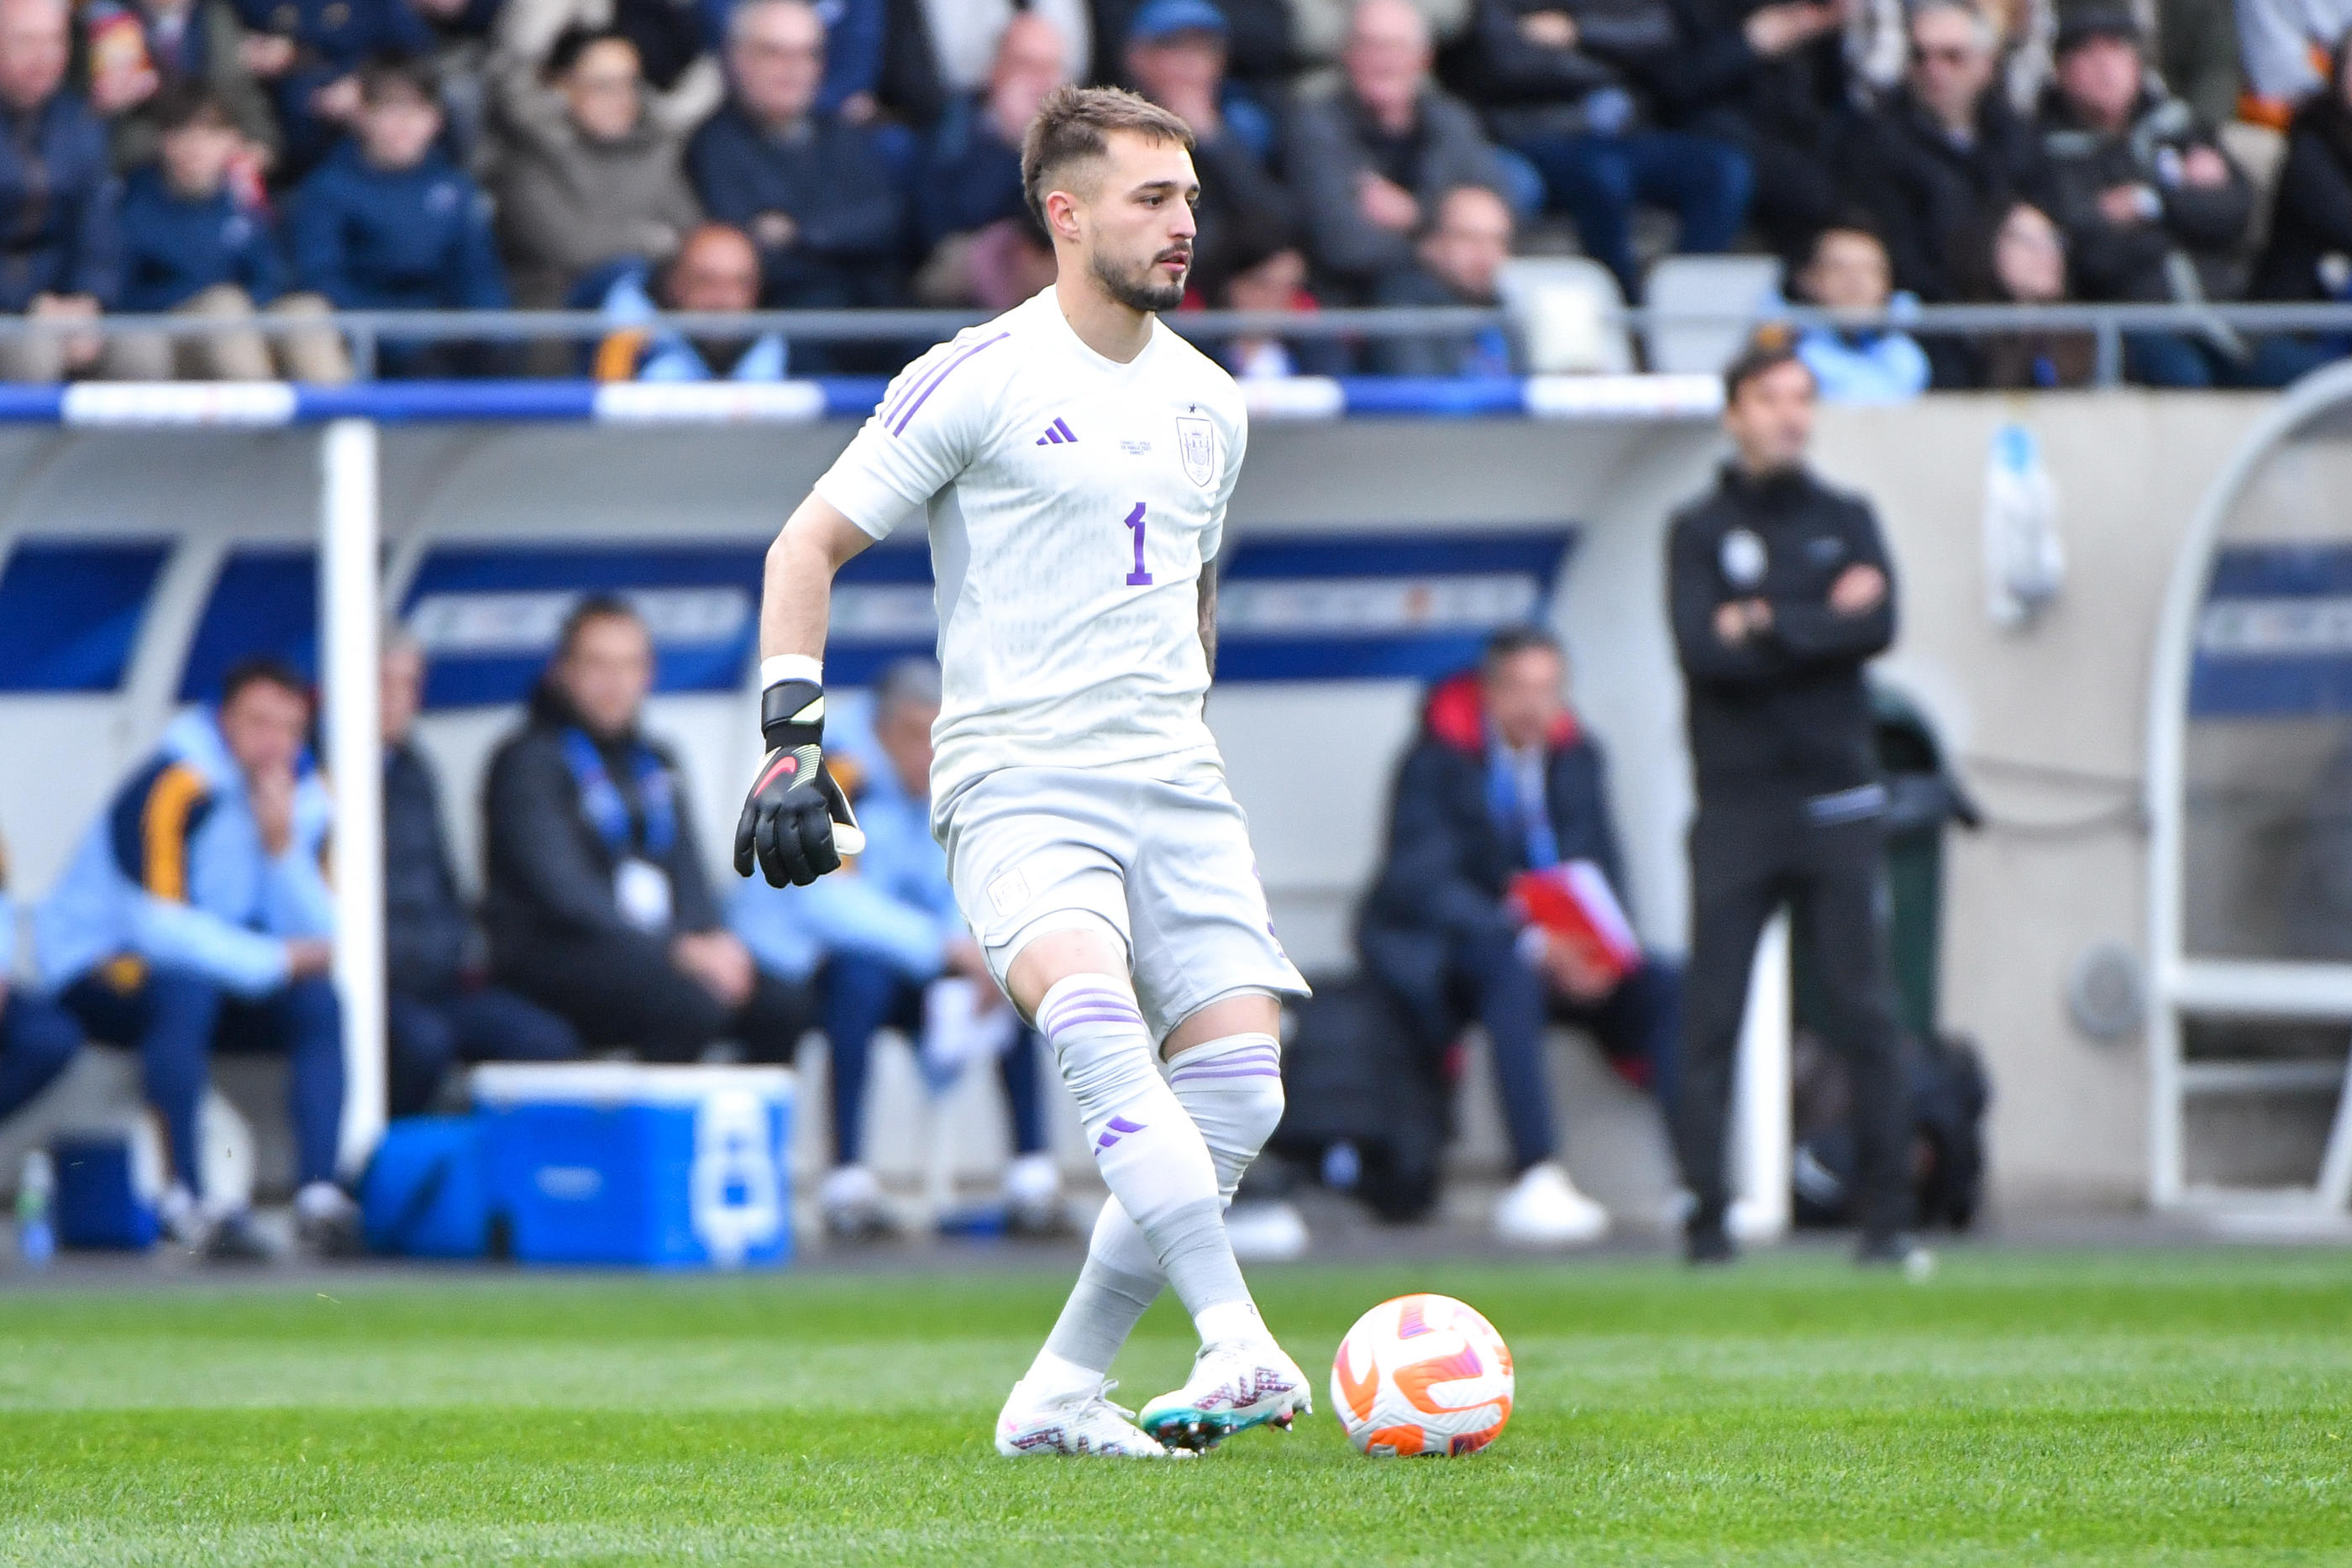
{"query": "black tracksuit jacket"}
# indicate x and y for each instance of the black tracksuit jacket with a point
(1784, 715)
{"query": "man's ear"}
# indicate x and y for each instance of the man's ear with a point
(1062, 214)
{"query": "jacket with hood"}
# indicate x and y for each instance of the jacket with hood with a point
(568, 201)
(1449, 862)
(547, 873)
(2184, 251)
(174, 875)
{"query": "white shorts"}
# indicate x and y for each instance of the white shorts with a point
(1165, 863)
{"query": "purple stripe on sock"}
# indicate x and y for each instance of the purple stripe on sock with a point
(1061, 1021)
(1235, 1072)
(944, 372)
(1238, 1058)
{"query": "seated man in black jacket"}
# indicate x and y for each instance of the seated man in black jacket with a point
(1502, 780)
(436, 1011)
(1945, 160)
(598, 904)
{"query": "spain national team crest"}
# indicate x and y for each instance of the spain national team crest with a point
(1196, 446)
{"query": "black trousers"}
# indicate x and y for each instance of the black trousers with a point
(1747, 858)
(622, 990)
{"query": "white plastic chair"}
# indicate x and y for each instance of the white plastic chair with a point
(1564, 306)
(1713, 285)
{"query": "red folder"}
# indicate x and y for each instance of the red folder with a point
(1574, 902)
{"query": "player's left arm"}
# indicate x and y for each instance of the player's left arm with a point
(1209, 615)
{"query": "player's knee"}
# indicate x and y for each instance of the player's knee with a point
(1232, 1090)
(1256, 1111)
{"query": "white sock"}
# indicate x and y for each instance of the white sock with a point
(1232, 1089)
(1150, 1155)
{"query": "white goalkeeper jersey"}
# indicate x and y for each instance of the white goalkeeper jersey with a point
(1072, 502)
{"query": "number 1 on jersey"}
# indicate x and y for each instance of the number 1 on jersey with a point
(1138, 577)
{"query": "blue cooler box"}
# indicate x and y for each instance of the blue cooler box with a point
(673, 1167)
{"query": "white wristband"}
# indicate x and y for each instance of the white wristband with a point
(779, 667)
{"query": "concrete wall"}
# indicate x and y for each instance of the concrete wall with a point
(2069, 693)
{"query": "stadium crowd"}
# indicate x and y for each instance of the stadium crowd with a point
(220, 158)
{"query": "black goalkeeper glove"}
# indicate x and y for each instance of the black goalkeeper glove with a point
(796, 823)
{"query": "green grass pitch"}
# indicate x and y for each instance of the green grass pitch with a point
(2176, 1407)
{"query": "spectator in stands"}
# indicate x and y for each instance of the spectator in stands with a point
(1856, 359)
(809, 187)
(1254, 36)
(133, 50)
(1772, 80)
(585, 177)
(1176, 57)
(1502, 780)
(2025, 264)
(311, 52)
(597, 904)
(38, 1037)
(389, 223)
(715, 270)
(195, 917)
(1370, 163)
(1460, 259)
(460, 62)
(57, 197)
(2309, 256)
(1320, 27)
(2152, 208)
(437, 1011)
(193, 248)
(972, 173)
(883, 934)
(683, 83)
(1568, 88)
(1945, 156)
(1271, 275)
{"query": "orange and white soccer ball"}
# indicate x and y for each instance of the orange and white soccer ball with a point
(1422, 1375)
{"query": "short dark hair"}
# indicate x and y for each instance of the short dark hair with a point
(1077, 122)
(390, 76)
(1510, 642)
(1767, 351)
(594, 608)
(263, 669)
(188, 102)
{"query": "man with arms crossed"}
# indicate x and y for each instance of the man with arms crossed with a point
(1075, 458)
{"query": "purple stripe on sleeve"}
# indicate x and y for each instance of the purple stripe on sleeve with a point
(941, 374)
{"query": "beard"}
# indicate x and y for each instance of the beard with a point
(1143, 287)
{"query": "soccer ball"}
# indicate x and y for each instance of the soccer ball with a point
(1422, 1375)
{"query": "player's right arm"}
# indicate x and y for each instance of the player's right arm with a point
(796, 822)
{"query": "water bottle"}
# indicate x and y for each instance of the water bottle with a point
(36, 1237)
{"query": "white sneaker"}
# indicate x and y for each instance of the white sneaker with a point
(852, 1201)
(1084, 1422)
(1234, 1386)
(1543, 1209)
(1266, 1230)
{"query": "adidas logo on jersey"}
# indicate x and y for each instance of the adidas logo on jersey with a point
(1056, 434)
